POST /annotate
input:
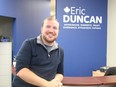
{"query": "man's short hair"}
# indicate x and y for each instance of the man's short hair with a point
(50, 18)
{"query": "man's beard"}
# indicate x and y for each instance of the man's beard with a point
(48, 41)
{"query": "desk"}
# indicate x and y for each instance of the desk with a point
(80, 81)
(89, 81)
(107, 80)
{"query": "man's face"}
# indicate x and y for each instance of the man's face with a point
(50, 30)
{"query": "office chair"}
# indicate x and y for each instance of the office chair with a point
(111, 71)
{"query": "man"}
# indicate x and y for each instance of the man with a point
(40, 60)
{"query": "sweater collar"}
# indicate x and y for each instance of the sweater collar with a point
(39, 41)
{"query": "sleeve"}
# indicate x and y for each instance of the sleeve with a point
(61, 65)
(23, 57)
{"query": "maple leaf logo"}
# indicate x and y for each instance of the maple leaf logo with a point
(66, 10)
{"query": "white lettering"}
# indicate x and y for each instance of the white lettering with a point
(86, 19)
(82, 19)
(72, 10)
(66, 18)
(98, 19)
(78, 11)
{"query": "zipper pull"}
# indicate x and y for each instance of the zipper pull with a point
(48, 55)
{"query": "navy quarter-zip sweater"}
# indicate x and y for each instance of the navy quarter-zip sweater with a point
(34, 56)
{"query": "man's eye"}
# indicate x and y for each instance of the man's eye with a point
(54, 27)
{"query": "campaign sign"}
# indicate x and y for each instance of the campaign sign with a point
(83, 35)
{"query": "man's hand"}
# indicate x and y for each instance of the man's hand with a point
(55, 83)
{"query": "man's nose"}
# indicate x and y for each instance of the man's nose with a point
(51, 29)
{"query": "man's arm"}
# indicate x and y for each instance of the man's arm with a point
(30, 77)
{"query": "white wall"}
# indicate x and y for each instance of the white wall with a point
(5, 64)
(111, 35)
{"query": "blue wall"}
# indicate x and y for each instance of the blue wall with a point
(28, 15)
(85, 49)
